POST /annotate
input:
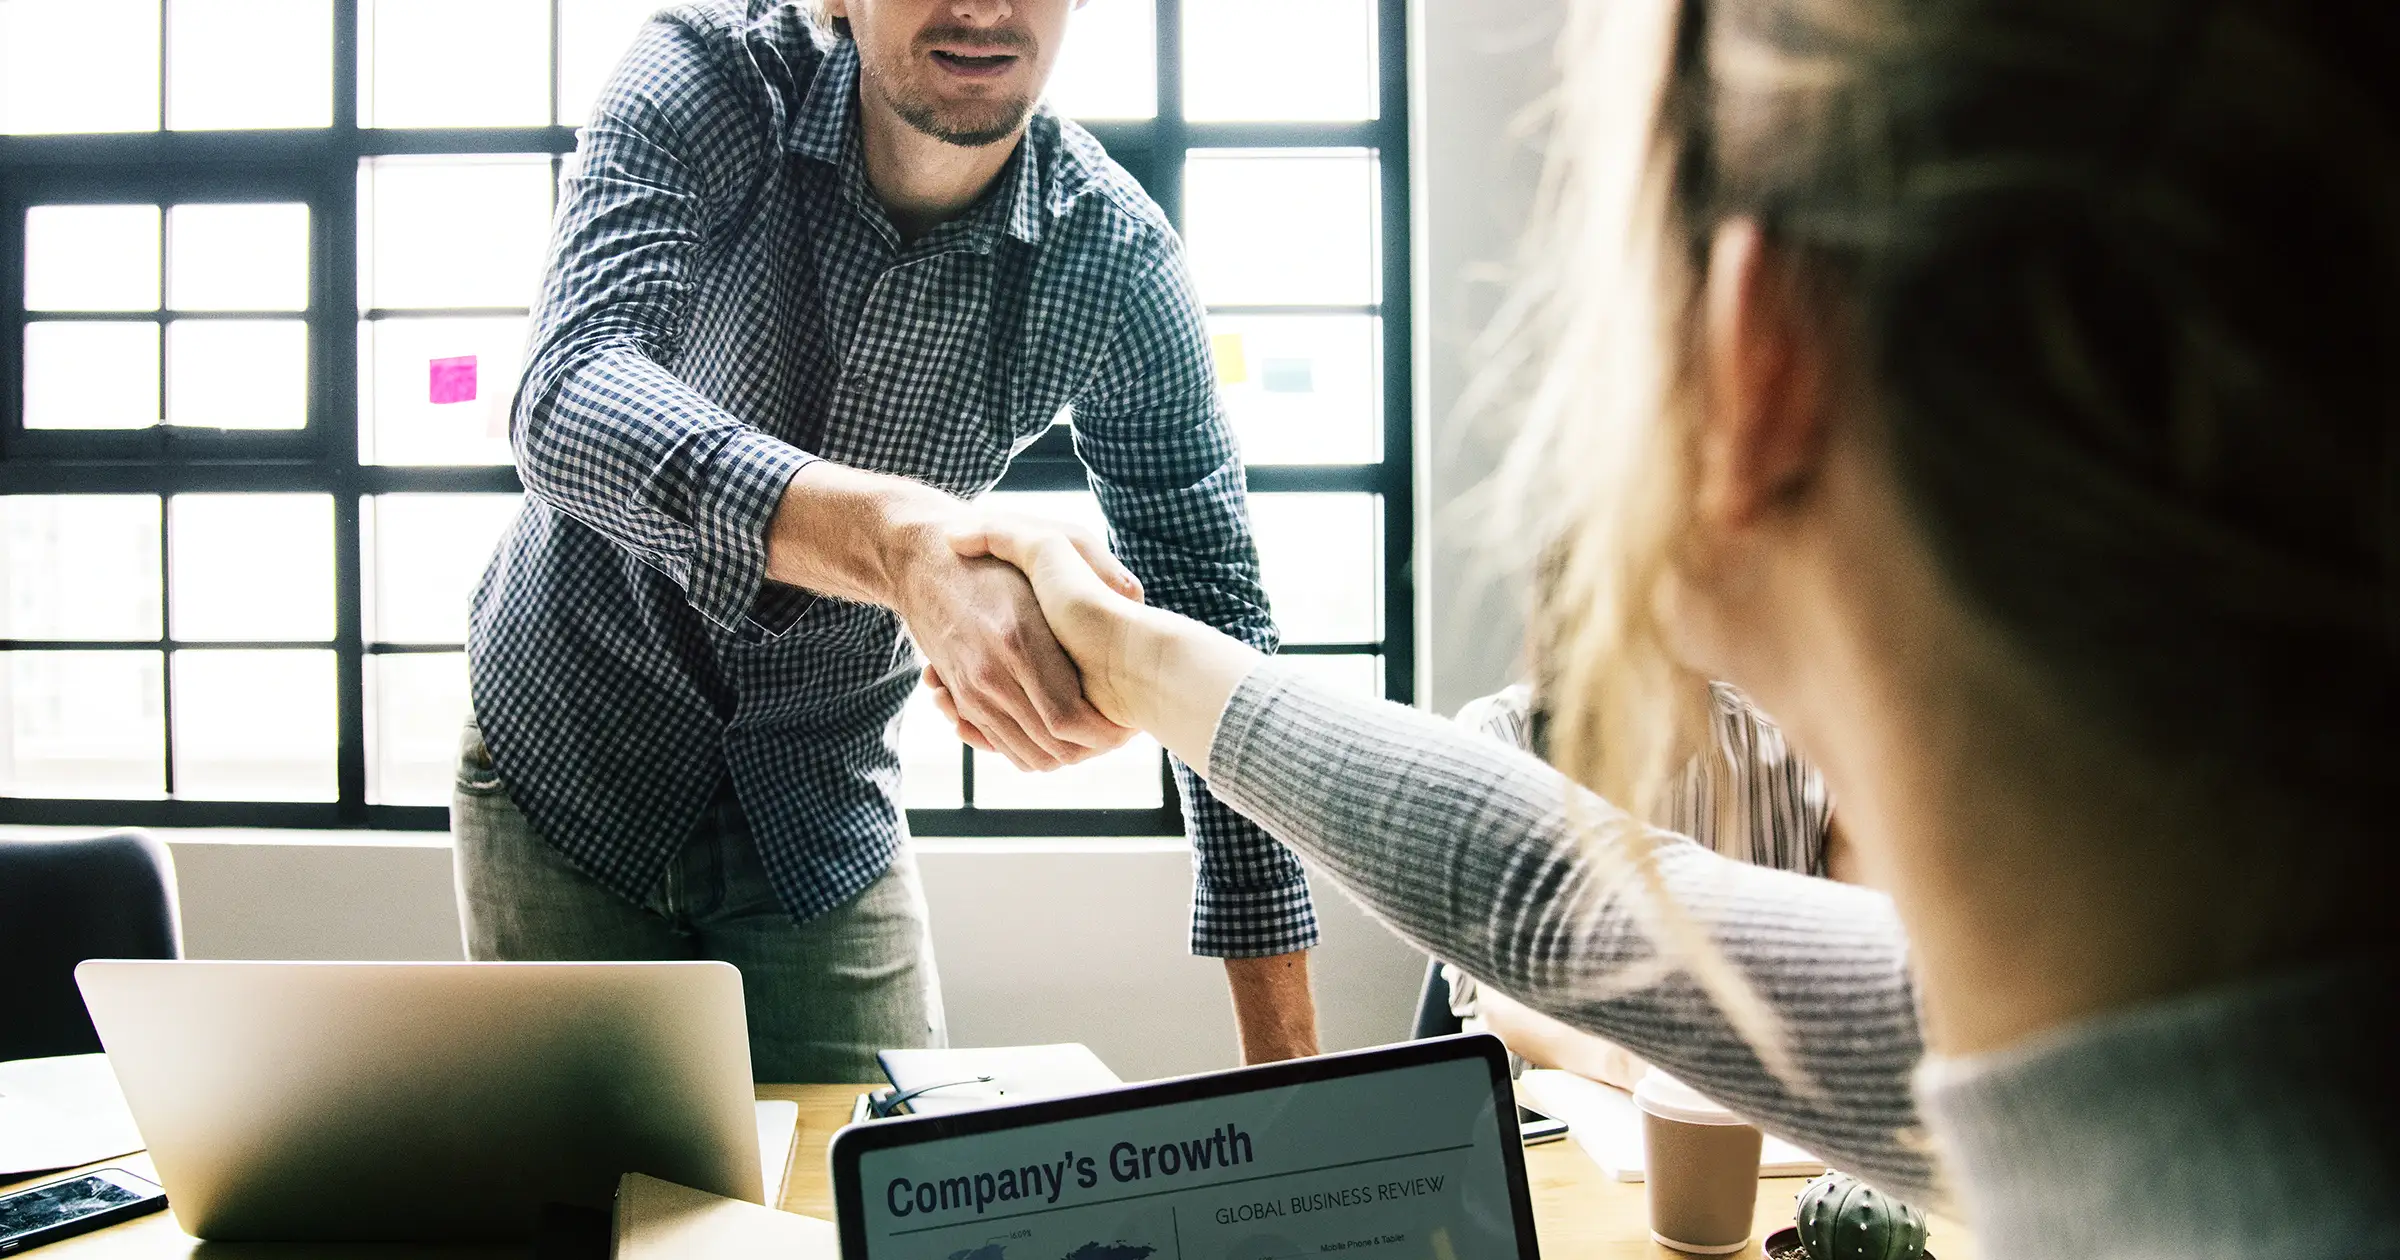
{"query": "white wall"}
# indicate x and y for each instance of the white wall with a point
(1058, 941)
(1479, 66)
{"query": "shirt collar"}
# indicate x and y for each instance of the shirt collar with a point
(825, 128)
(827, 116)
(1035, 152)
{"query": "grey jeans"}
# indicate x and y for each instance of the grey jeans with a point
(822, 996)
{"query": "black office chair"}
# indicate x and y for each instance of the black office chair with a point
(62, 901)
(1433, 1005)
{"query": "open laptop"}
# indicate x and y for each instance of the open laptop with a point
(1409, 1150)
(298, 1101)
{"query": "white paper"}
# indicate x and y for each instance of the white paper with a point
(776, 1120)
(1606, 1124)
(61, 1112)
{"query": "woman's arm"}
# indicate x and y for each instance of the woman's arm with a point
(1468, 850)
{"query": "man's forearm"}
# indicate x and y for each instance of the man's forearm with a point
(851, 534)
(1273, 1007)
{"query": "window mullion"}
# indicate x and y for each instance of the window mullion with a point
(335, 410)
(166, 659)
(1170, 134)
(1398, 595)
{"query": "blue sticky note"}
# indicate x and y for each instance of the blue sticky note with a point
(1287, 376)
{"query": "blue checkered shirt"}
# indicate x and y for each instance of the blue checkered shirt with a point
(726, 302)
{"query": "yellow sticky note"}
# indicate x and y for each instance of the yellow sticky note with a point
(1227, 347)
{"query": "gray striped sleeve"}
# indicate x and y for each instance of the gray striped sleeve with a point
(1464, 847)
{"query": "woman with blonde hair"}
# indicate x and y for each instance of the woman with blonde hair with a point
(1998, 392)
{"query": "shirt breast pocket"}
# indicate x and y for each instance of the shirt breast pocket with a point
(923, 393)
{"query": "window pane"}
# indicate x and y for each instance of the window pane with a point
(91, 258)
(1125, 779)
(416, 704)
(1301, 389)
(83, 724)
(91, 376)
(1281, 228)
(454, 63)
(237, 258)
(78, 65)
(452, 232)
(79, 566)
(425, 553)
(1108, 68)
(1278, 59)
(1357, 676)
(254, 726)
(1319, 554)
(592, 36)
(256, 567)
(1075, 507)
(237, 373)
(249, 63)
(929, 760)
(436, 391)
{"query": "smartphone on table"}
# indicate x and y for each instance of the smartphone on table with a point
(1539, 1128)
(74, 1205)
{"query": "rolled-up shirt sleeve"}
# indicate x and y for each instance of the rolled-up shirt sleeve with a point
(1153, 438)
(603, 429)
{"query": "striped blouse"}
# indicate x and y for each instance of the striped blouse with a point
(1751, 797)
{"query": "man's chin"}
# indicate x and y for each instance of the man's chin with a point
(967, 128)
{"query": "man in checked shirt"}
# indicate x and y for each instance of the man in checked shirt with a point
(817, 276)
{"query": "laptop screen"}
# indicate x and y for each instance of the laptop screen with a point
(1400, 1152)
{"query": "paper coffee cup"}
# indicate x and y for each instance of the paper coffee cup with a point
(1703, 1168)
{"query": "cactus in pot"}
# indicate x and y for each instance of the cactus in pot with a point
(1841, 1218)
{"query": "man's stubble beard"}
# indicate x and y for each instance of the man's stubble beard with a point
(989, 123)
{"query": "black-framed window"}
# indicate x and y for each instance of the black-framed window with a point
(265, 268)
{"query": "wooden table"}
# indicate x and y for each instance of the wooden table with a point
(1580, 1215)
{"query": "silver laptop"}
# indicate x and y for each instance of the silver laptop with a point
(1411, 1150)
(425, 1101)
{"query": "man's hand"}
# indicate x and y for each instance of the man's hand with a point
(999, 671)
(1070, 548)
(995, 669)
(1141, 667)
(1273, 1007)
(1089, 614)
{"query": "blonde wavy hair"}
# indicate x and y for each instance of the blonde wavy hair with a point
(2124, 276)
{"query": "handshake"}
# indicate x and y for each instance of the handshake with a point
(1039, 647)
(1021, 622)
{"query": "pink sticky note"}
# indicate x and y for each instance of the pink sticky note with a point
(453, 380)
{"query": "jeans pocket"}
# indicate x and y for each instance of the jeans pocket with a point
(476, 776)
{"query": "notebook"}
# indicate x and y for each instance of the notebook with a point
(659, 1220)
(1604, 1122)
(943, 1082)
(61, 1112)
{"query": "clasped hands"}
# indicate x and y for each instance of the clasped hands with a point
(1020, 636)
